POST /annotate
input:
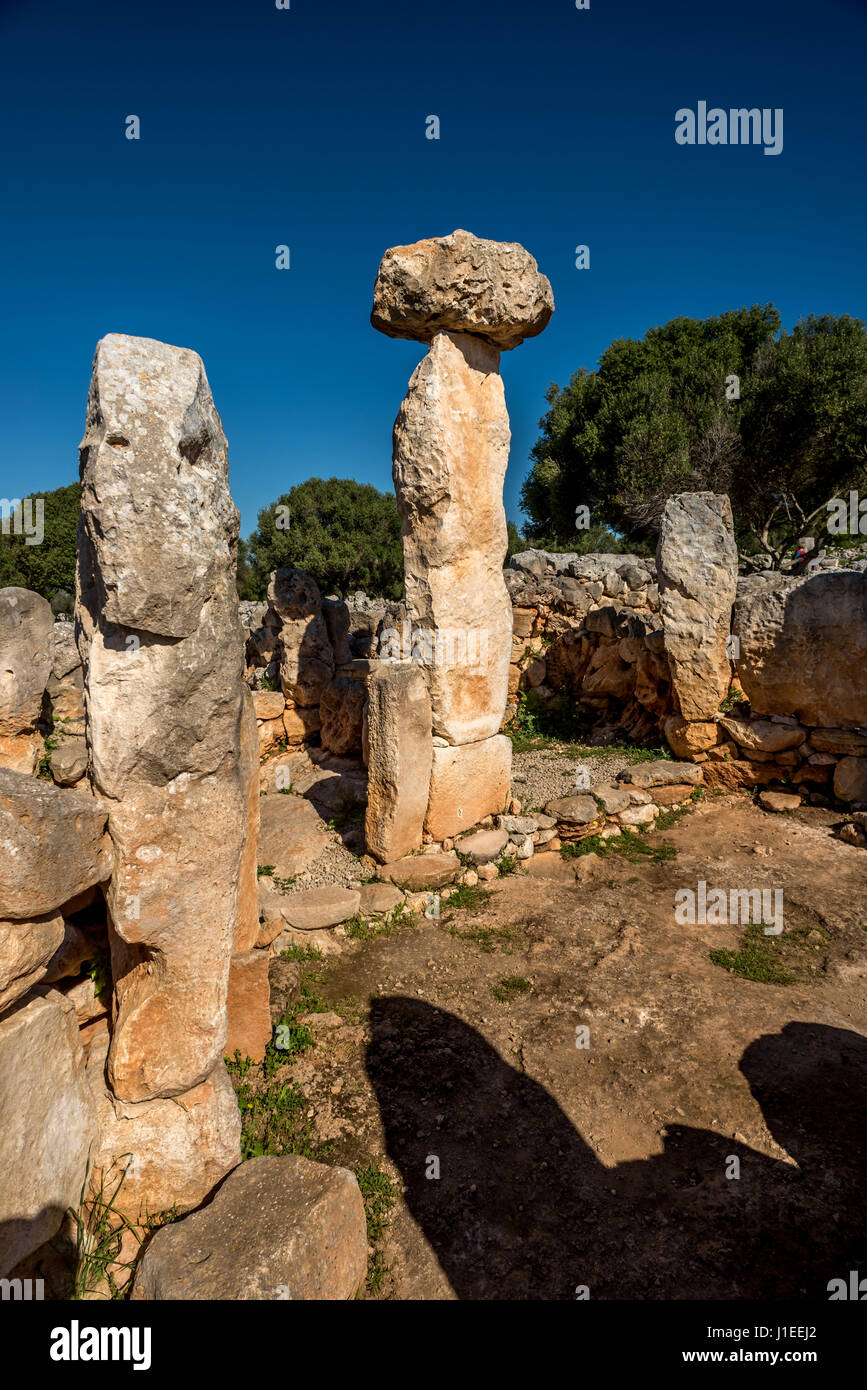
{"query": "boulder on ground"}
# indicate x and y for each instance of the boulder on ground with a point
(850, 779)
(68, 761)
(687, 737)
(379, 898)
(279, 1228)
(573, 810)
(779, 801)
(291, 833)
(26, 948)
(662, 773)
(482, 846)
(48, 1123)
(764, 735)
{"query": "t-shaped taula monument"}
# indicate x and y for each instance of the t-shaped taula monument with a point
(469, 299)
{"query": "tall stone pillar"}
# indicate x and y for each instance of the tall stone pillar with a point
(162, 651)
(469, 299)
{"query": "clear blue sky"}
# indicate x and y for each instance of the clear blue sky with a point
(307, 127)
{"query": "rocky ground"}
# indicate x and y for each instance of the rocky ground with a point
(555, 1086)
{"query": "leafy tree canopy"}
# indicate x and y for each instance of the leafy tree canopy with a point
(50, 565)
(731, 404)
(345, 534)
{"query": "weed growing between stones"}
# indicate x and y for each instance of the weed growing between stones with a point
(467, 896)
(510, 987)
(508, 865)
(274, 1118)
(759, 959)
(360, 928)
(307, 953)
(627, 846)
(490, 939)
(379, 1193)
(99, 1229)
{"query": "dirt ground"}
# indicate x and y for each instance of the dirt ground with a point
(607, 1170)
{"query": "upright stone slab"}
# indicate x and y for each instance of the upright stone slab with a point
(803, 646)
(468, 782)
(697, 563)
(162, 651)
(26, 658)
(451, 448)
(399, 760)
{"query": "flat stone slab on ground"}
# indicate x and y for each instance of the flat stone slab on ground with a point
(662, 773)
(380, 897)
(549, 865)
(315, 908)
(418, 871)
(779, 801)
(485, 845)
(279, 1228)
(291, 833)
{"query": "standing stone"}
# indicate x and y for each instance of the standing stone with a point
(66, 683)
(306, 658)
(697, 562)
(341, 712)
(162, 650)
(399, 760)
(468, 782)
(247, 925)
(451, 448)
(248, 1006)
(469, 299)
(174, 1152)
(47, 1120)
(26, 657)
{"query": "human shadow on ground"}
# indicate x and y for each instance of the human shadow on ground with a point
(523, 1209)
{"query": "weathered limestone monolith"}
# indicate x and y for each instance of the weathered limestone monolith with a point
(697, 563)
(399, 760)
(162, 652)
(469, 299)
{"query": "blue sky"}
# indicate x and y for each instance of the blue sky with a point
(306, 127)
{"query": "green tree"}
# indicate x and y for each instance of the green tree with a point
(657, 417)
(345, 534)
(50, 565)
(803, 434)
(515, 541)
